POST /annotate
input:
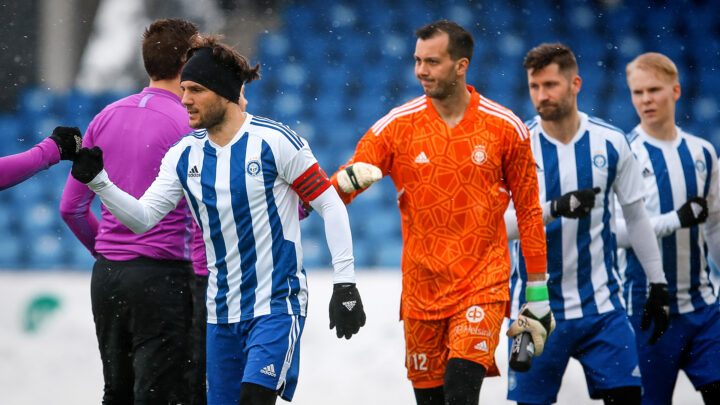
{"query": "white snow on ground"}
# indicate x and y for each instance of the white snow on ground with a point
(60, 364)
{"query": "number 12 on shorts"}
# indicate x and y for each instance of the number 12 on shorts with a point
(418, 361)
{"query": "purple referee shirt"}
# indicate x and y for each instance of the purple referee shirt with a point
(134, 134)
(17, 168)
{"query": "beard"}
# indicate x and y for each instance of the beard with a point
(214, 116)
(444, 88)
(549, 111)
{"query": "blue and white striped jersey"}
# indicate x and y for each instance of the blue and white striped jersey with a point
(581, 254)
(673, 172)
(241, 195)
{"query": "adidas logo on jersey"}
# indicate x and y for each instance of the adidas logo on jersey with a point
(269, 370)
(194, 172)
(422, 158)
(636, 372)
(349, 305)
(482, 346)
(647, 172)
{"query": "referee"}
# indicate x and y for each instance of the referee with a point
(140, 287)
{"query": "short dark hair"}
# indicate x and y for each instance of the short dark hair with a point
(460, 43)
(227, 56)
(545, 54)
(164, 46)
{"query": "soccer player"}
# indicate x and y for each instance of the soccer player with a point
(450, 153)
(243, 176)
(198, 287)
(680, 190)
(63, 144)
(582, 165)
(141, 284)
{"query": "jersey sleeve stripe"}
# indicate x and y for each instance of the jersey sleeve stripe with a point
(292, 137)
(604, 124)
(506, 114)
(410, 107)
(519, 127)
(284, 128)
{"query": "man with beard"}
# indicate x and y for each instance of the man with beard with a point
(451, 154)
(583, 165)
(243, 177)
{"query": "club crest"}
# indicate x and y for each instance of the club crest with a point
(479, 156)
(599, 161)
(253, 167)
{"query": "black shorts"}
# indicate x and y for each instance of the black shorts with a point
(143, 314)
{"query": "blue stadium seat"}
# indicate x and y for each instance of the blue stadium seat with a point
(36, 101)
(12, 131)
(390, 254)
(337, 59)
(315, 253)
(44, 250)
(12, 249)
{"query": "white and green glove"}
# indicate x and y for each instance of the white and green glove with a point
(358, 176)
(535, 317)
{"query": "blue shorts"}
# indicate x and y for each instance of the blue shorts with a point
(691, 344)
(264, 351)
(605, 346)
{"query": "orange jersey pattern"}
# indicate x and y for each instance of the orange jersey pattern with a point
(453, 186)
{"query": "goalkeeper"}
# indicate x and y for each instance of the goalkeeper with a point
(447, 152)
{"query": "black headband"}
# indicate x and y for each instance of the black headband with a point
(204, 69)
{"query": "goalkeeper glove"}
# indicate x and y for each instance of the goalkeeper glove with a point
(693, 213)
(346, 310)
(575, 204)
(657, 310)
(88, 163)
(68, 141)
(358, 176)
(535, 317)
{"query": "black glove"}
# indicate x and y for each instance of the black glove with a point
(693, 213)
(346, 310)
(657, 310)
(575, 204)
(68, 140)
(88, 163)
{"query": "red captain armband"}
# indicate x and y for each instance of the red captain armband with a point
(311, 184)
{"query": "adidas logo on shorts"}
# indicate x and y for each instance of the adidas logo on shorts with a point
(269, 370)
(482, 346)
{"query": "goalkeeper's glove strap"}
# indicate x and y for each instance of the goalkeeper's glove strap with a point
(351, 175)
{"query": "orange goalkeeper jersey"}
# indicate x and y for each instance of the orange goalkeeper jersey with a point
(453, 186)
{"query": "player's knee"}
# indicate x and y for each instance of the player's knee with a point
(463, 379)
(630, 395)
(254, 394)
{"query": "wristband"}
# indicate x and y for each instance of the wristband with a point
(536, 293)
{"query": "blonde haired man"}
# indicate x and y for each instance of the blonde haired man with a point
(680, 176)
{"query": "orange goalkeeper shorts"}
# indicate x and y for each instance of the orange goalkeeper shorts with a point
(472, 334)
